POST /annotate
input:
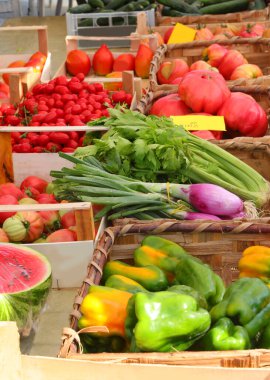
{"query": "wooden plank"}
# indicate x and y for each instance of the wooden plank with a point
(85, 226)
(83, 206)
(83, 128)
(10, 356)
(6, 164)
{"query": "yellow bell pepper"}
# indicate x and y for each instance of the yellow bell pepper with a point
(255, 262)
(104, 306)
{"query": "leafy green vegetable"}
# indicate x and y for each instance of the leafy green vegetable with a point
(153, 149)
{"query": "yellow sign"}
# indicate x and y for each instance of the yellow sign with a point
(181, 34)
(200, 122)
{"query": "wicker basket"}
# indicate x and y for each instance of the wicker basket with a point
(261, 93)
(218, 244)
(256, 15)
(255, 50)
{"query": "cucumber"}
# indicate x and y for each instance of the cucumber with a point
(180, 6)
(96, 3)
(132, 20)
(140, 5)
(115, 4)
(174, 13)
(260, 4)
(150, 6)
(85, 22)
(79, 2)
(83, 8)
(205, 3)
(226, 7)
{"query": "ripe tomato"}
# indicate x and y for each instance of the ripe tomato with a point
(12, 64)
(78, 62)
(39, 56)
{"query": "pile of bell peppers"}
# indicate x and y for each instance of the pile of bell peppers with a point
(169, 300)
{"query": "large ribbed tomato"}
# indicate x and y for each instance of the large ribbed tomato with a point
(203, 91)
(244, 116)
(230, 62)
(33, 224)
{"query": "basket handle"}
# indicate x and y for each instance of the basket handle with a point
(41, 30)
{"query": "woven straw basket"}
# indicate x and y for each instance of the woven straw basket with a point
(253, 16)
(255, 50)
(220, 244)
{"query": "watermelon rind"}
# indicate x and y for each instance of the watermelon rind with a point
(24, 307)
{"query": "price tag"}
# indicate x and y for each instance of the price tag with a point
(200, 122)
(181, 34)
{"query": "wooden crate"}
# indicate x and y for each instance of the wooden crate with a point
(27, 78)
(249, 16)
(219, 244)
(255, 50)
(68, 259)
(143, 28)
(72, 42)
(48, 368)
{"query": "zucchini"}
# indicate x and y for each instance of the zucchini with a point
(140, 5)
(150, 6)
(260, 4)
(79, 2)
(83, 8)
(85, 22)
(115, 4)
(96, 3)
(226, 7)
(174, 13)
(180, 6)
(205, 3)
(132, 20)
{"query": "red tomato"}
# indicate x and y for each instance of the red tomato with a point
(244, 116)
(38, 56)
(13, 64)
(62, 235)
(34, 224)
(46, 198)
(7, 200)
(10, 189)
(34, 182)
(68, 219)
(78, 62)
(213, 91)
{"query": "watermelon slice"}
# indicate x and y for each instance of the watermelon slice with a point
(25, 281)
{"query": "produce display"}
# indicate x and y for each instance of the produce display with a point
(60, 102)
(231, 64)
(108, 6)
(25, 283)
(202, 7)
(169, 300)
(105, 64)
(225, 31)
(214, 98)
(137, 167)
(34, 226)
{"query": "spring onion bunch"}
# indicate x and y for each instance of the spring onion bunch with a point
(122, 196)
(153, 149)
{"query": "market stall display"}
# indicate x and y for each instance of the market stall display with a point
(190, 251)
(226, 56)
(104, 64)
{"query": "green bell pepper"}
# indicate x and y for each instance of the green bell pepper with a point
(264, 338)
(164, 321)
(194, 273)
(184, 289)
(259, 322)
(242, 301)
(224, 335)
(97, 343)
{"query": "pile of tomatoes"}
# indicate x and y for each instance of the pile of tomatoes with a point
(60, 102)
